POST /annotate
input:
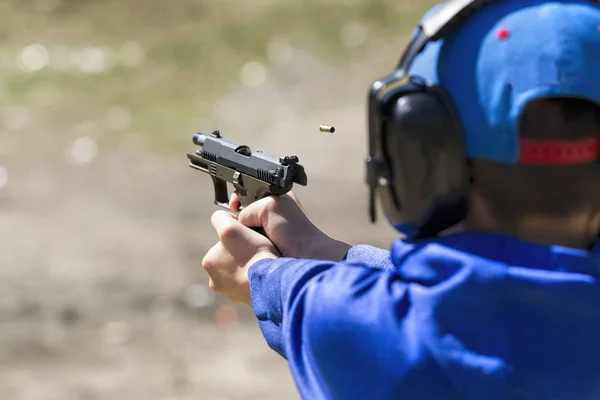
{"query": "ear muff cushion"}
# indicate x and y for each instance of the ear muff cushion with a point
(424, 148)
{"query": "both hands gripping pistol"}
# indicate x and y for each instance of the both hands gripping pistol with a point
(253, 174)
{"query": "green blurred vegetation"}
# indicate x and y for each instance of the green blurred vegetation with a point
(193, 52)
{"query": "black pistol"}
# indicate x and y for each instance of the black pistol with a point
(253, 174)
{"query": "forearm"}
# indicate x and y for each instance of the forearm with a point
(267, 283)
(345, 329)
(272, 283)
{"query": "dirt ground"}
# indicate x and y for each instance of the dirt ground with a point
(139, 358)
(102, 295)
(118, 247)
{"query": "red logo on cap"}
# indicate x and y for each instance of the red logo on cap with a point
(502, 33)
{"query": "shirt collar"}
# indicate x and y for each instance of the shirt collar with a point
(509, 250)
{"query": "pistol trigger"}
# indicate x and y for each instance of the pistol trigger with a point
(236, 177)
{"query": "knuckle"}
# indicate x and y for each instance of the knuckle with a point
(209, 262)
(270, 206)
(269, 202)
(228, 231)
(272, 201)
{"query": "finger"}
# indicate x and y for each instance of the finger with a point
(253, 215)
(211, 259)
(211, 285)
(234, 202)
(225, 223)
(232, 233)
(217, 264)
(210, 264)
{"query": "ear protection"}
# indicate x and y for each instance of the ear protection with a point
(417, 161)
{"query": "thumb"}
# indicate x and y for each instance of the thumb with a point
(293, 196)
(253, 215)
(242, 242)
(227, 226)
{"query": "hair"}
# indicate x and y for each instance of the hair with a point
(513, 192)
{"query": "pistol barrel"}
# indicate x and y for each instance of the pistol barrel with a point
(199, 139)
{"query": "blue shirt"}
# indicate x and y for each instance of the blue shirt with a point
(466, 316)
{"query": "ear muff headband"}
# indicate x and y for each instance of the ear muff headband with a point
(437, 25)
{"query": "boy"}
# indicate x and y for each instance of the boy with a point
(506, 306)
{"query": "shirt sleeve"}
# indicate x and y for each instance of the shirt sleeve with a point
(369, 255)
(348, 331)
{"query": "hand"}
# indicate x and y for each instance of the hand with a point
(228, 261)
(289, 228)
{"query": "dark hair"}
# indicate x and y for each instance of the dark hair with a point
(553, 190)
(560, 118)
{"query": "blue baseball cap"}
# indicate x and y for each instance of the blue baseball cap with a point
(508, 53)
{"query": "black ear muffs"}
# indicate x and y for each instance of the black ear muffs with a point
(417, 160)
(424, 147)
(423, 180)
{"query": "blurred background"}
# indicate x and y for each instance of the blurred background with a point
(102, 223)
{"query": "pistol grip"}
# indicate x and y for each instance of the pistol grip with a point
(221, 193)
